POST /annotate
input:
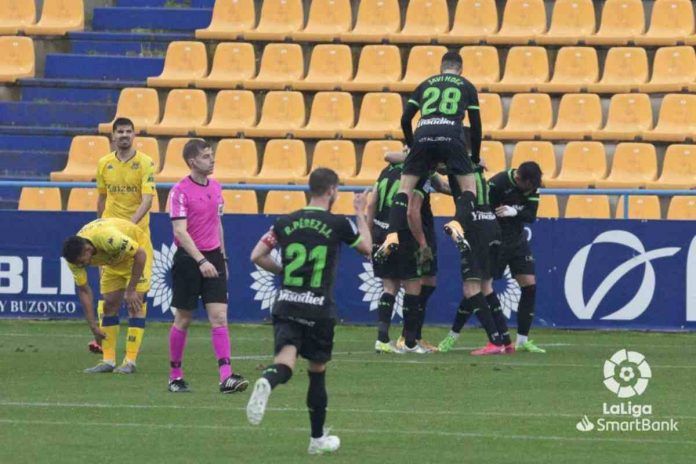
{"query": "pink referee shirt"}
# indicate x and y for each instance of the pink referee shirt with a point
(201, 206)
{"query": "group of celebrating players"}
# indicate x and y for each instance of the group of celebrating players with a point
(394, 225)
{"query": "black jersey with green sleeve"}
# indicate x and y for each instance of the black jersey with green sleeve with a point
(385, 188)
(309, 241)
(504, 191)
(443, 100)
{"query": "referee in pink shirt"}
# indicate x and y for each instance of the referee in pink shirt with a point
(199, 269)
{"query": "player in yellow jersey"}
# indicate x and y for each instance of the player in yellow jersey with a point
(125, 181)
(121, 248)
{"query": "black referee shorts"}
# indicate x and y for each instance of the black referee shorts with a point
(188, 284)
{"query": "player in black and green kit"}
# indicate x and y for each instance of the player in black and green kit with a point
(515, 199)
(304, 314)
(443, 101)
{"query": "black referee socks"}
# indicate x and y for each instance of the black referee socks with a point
(525, 311)
(384, 315)
(317, 399)
(277, 374)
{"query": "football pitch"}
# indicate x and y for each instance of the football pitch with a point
(436, 408)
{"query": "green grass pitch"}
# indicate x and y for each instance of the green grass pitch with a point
(437, 408)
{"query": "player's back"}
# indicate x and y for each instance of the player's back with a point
(443, 100)
(385, 188)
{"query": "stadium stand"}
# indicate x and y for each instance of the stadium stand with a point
(571, 22)
(236, 160)
(474, 21)
(82, 199)
(328, 19)
(682, 208)
(525, 68)
(240, 202)
(588, 207)
(58, 17)
(548, 206)
(139, 105)
(634, 164)
(16, 15)
(84, 153)
(639, 207)
(539, 152)
(39, 199)
(184, 110)
(579, 115)
(329, 66)
(280, 202)
(230, 20)
(284, 162)
(282, 112)
(424, 20)
(378, 67)
(376, 20)
(18, 58)
(583, 164)
(233, 64)
(185, 62)
(629, 115)
(234, 112)
(281, 64)
(279, 19)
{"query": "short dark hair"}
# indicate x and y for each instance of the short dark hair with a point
(73, 247)
(321, 180)
(451, 60)
(529, 171)
(122, 122)
(193, 147)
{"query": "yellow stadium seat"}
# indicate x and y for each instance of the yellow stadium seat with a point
(40, 199)
(625, 70)
(677, 119)
(338, 155)
(588, 207)
(281, 65)
(282, 112)
(328, 19)
(575, 70)
(184, 110)
(380, 117)
(493, 155)
(149, 147)
(639, 207)
(423, 62)
(236, 160)
(240, 202)
(678, 169)
(85, 151)
(482, 65)
(670, 22)
(137, 104)
(442, 205)
(279, 19)
(373, 161)
(525, 69)
(491, 109)
(82, 199)
(674, 69)
(377, 19)
(548, 206)
(58, 17)
(425, 19)
(629, 115)
(682, 208)
(541, 153)
(571, 22)
(529, 114)
(379, 67)
(622, 20)
(583, 164)
(283, 202)
(284, 162)
(344, 204)
(329, 67)
(579, 114)
(231, 19)
(185, 62)
(474, 21)
(174, 168)
(233, 64)
(15, 15)
(331, 113)
(523, 20)
(634, 165)
(17, 58)
(234, 112)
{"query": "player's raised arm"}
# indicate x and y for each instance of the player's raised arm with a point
(261, 254)
(396, 157)
(410, 109)
(363, 243)
(475, 125)
(415, 220)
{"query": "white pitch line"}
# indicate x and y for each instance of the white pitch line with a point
(25, 404)
(353, 431)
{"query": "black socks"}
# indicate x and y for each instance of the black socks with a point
(277, 374)
(317, 399)
(412, 312)
(425, 294)
(499, 318)
(525, 311)
(384, 315)
(398, 218)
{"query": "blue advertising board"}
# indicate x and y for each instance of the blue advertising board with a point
(613, 274)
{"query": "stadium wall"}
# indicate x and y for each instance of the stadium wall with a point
(608, 274)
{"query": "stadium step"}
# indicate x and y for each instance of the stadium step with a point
(12, 142)
(80, 83)
(173, 19)
(74, 115)
(113, 68)
(107, 36)
(118, 47)
(30, 165)
(168, 3)
(44, 131)
(69, 94)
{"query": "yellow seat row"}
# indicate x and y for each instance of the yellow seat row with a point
(330, 67)
(58, 17)
(18, 58)
(280, 202)
(475, 21)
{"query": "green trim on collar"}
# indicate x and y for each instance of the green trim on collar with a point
(313, 208)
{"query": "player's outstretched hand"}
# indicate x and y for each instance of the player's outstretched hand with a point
(208, 270)
(360, 201)
(505, 211)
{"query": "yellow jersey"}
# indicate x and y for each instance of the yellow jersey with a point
(116, 241)
(124, 183)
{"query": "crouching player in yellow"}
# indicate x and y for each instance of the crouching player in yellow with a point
(124, 251)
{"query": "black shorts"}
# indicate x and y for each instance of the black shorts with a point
(188, 284)
(479, 262)
(429, 150)
(313, 342)
(400, 265)
(518, 256)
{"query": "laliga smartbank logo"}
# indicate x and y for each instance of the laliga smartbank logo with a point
(627, 375)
